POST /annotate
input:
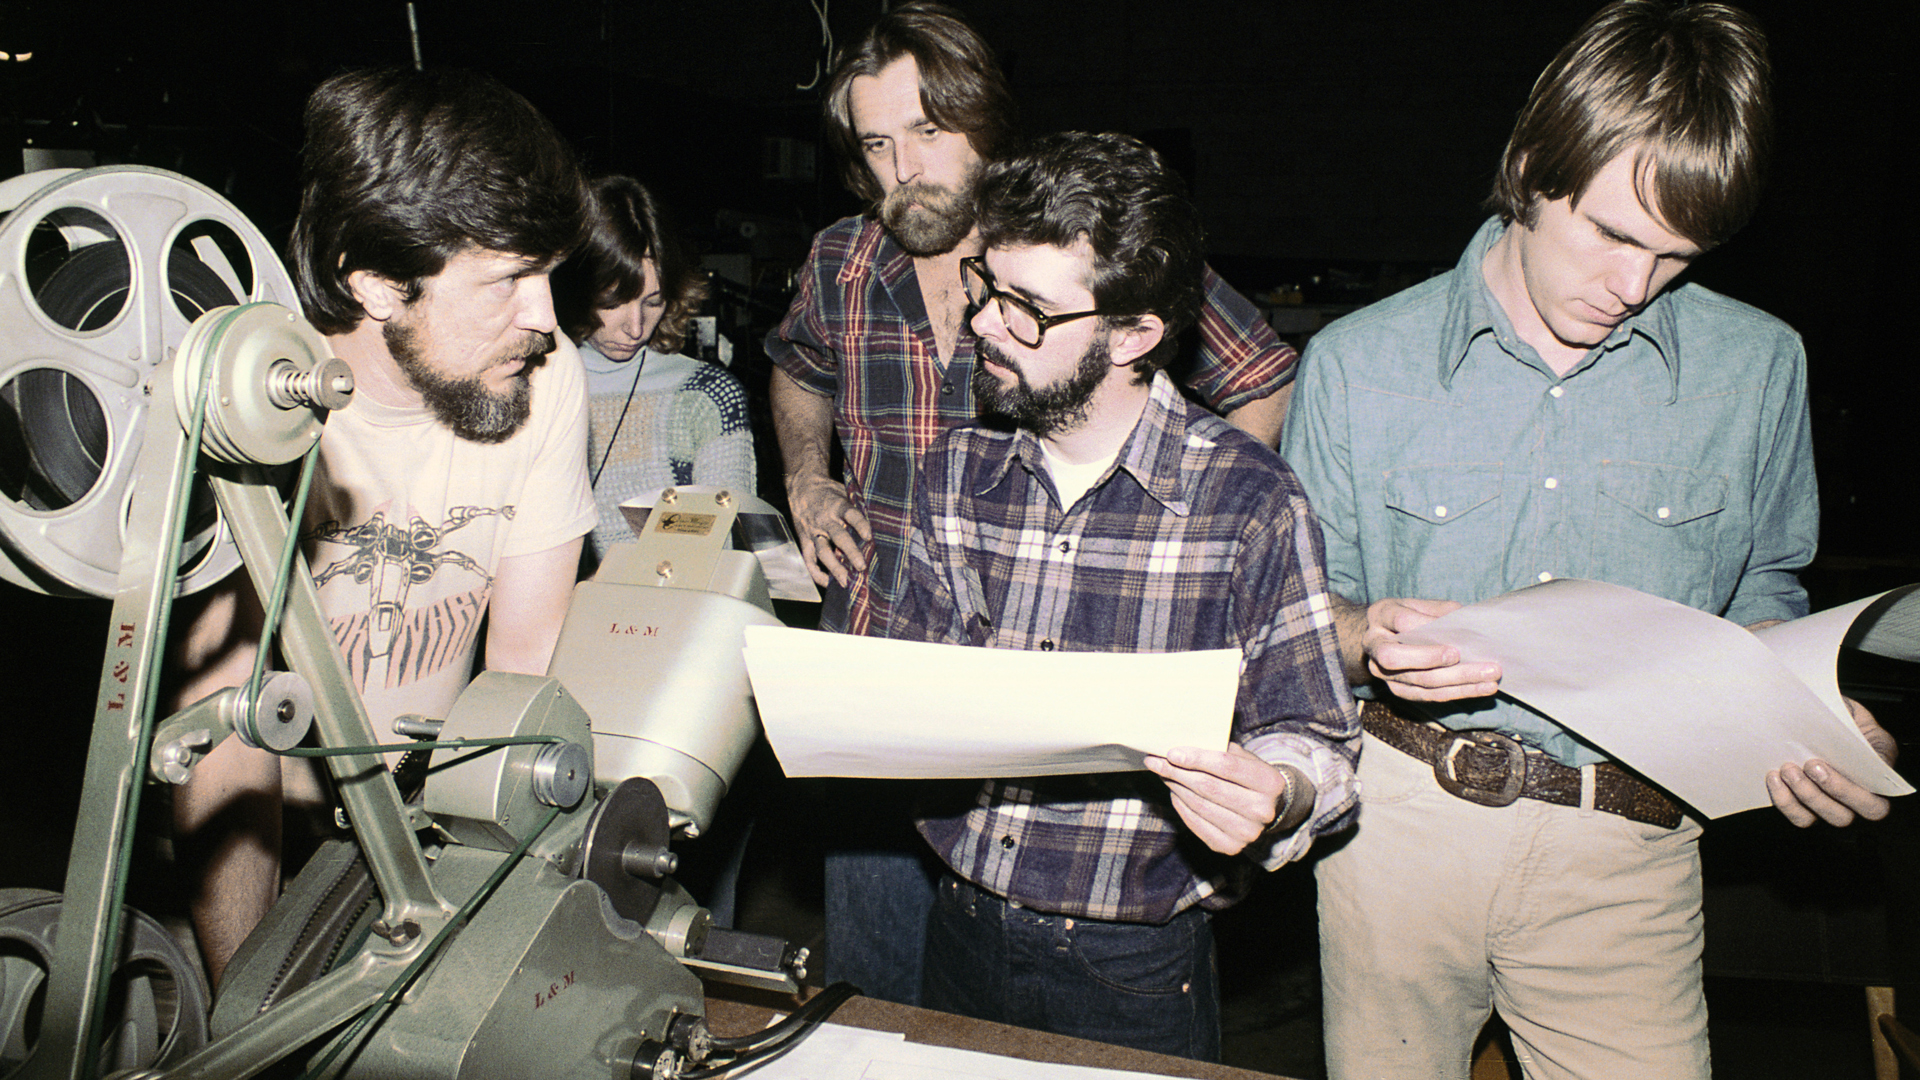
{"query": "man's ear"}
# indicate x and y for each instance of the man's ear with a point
(380, 297)
(1135, 339)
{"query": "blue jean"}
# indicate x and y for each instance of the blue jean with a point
(722, 893)
(879, 887)
(1131, 984)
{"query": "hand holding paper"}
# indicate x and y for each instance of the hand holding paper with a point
(1227, 799)
(1816, 792)
(1704, 708)
(1416, 671)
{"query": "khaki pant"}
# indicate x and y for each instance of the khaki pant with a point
(1582, 928)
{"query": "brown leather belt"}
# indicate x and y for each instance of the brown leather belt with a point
(1492, 769)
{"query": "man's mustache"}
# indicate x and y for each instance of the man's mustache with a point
(987, 350)
(533, 351)
(932, 196)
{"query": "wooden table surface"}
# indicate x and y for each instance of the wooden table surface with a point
(732, 1012)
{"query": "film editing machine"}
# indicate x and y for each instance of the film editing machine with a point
(514, 917)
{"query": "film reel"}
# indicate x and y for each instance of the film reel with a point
(101, 273)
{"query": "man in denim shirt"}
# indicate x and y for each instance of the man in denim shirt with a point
(1552, 409)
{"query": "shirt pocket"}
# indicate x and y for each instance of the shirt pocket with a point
(1437, 515)
(976, 623)
(1670, 517)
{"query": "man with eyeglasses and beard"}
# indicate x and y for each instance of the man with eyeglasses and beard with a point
(433, 207)
(874, 350)
(1095, 509)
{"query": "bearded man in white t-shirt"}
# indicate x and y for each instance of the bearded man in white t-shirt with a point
(433, 207)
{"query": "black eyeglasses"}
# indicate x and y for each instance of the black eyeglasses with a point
(1027, 324)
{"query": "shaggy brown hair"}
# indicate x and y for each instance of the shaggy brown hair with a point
(627, 228)
(961, 86)
(1683, 87)
(405, 169)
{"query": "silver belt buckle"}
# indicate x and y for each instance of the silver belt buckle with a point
(1516, 768)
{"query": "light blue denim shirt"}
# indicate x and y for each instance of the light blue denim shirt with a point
(1446, 460)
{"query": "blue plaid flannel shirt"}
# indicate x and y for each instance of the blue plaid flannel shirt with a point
(1196, 537)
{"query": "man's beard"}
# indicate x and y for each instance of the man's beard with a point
(474, 412)
(927, 219)
(1047, 411)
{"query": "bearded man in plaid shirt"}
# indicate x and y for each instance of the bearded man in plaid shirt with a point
(873, 354)
(1097, 510)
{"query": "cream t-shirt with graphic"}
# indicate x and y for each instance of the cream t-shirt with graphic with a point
(407, 525)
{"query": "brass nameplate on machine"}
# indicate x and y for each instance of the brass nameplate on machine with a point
(681, 523)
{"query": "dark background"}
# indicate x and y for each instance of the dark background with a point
(1349, 143)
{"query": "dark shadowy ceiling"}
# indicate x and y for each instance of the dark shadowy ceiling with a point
(1362, 131)
(1365, 129)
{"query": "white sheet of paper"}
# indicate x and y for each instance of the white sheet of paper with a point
(837, 1052)
(920, 1061)
(829, 1052)
(1699, 705)
(841, 705)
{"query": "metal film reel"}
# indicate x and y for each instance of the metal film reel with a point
(101, 273)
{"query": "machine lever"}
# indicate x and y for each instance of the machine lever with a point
(415, 726)
(279, 721)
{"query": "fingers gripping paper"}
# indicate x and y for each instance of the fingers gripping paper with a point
(1699, 705)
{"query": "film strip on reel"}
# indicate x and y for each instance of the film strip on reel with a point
(101, 273)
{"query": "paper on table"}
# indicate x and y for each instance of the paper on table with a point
(841, 705)
(828, 1052)
(836, 1052)
(919, 1061)
(1697, 704)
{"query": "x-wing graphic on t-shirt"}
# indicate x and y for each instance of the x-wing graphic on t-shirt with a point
(391, 560)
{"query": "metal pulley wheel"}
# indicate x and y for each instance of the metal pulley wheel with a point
(101, 274)
(269, 368)
(626, 848)
(157, 1005)
(280, 719)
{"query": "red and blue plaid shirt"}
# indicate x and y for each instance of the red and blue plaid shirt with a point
(858, 332)
(1195, 537)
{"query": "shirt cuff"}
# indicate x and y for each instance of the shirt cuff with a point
(1336, 791)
